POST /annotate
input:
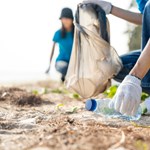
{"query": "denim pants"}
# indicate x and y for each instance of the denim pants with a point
(62, 67)
(130, 59)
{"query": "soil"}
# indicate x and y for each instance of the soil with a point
(17, 96)
(45, 116)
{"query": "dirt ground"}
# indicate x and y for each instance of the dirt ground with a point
(44, 116)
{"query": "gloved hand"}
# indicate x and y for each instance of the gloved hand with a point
(128, 96)
(106, 6)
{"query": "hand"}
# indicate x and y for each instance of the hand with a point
(128, 96)
(47, 71)
(106, 6)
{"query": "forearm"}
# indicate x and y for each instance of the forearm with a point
(143, 64)
(132, 17)
(52, 53)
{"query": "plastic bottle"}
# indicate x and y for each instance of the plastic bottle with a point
(102, 107)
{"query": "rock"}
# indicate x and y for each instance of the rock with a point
(28, 121)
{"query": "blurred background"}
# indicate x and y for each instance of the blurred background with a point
(26, 31)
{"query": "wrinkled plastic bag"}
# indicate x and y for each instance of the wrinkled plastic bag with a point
(93, 61)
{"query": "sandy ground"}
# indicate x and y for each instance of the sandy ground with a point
(44, 116)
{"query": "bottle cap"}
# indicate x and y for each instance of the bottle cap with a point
(91, 105)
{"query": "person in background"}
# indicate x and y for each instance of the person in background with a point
(64, 38)
(135, 74)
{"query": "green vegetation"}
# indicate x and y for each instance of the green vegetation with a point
(59, 106)
(40, 92)
(134, 36)
(73, 110)
(35, 92)
(144, 96)
(64, 91)
(58, 91)
(75, 95)
(133, 32)
(140, 145)
(111, 91)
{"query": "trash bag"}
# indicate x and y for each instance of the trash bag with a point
(93, 61)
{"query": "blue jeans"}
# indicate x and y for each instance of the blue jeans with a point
(62, 67)
(130, 59)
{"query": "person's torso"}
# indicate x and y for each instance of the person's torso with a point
(65, 47)
(141, 4)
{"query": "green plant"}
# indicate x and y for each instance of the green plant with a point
(72, 110)
(111, 91)
(144, 96)
(76, 96)
(59, 106)
(35, 92)
(40, 92)
(133, 32)
(140, 145)
(58, 91)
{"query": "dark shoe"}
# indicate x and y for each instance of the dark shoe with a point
(63, 79)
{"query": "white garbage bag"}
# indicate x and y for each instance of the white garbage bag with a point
(93, 61)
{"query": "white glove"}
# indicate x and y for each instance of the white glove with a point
(128, 96)
(106, 6)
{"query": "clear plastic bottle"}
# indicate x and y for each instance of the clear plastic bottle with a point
(102, 107)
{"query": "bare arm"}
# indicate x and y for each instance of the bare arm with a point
(52, 53)
(132, 17)
(143, 64)
(51, 57)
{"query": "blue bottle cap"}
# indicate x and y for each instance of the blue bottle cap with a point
(90, 105)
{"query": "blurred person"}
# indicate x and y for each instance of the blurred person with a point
(135, 74)
(64, 38)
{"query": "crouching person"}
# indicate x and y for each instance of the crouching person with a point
(64, 38)
(135, 75)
